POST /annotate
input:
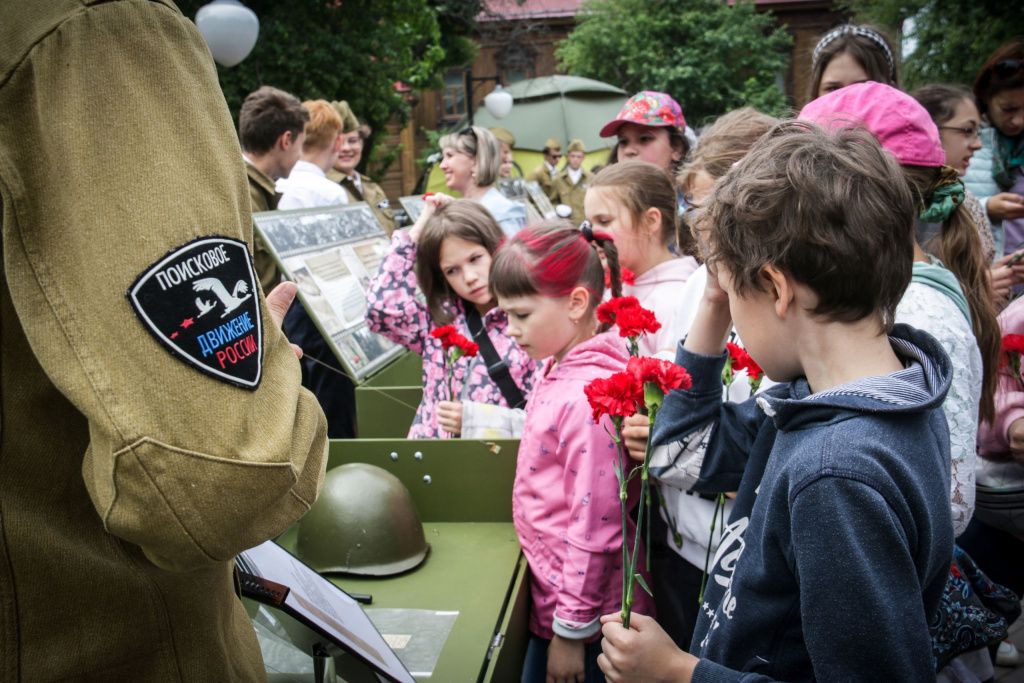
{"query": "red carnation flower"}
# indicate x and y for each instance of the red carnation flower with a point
(657, 377)
(1013, 348)
(742, 360)
(628, 277)
(665, 374)
(607, 311)
(617, 395)
(450, 337)
(632, 322)
(468, 348)
(1014, 343)
(630, 317)
(445, 333)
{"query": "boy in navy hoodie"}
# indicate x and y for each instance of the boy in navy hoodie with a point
(838, 547)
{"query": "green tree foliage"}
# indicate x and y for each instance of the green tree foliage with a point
(711, 56)
(953, 37)
(352, 50)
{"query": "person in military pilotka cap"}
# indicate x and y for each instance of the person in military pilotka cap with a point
(509, 168)
(271, 131)
(548, 169)
(571, 183)
(360, 187)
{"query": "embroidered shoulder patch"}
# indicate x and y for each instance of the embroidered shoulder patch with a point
(200, 301)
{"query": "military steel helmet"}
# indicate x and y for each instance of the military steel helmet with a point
(364, 522)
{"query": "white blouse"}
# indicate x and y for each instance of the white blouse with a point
(928, 309)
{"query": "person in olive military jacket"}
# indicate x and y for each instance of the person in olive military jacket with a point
(360, 187)
(153, 425)
(571, 183)
(545, 173)
(270, 128)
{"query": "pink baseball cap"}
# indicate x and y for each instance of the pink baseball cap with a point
(647, 108)
(897, 121)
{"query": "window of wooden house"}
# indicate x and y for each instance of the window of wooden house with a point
(453, 97)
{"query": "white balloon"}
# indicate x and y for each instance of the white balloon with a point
(230, 29)
(498, 103)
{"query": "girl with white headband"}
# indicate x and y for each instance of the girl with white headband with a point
(851, 53)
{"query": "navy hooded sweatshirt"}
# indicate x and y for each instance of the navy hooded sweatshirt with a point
(837, 550)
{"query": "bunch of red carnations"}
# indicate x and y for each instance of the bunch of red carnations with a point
(641, 388)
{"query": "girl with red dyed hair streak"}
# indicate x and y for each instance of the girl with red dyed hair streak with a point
(565, 501)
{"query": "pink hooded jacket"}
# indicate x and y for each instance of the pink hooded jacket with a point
(565, 500)
(659, 290)
(992, 438)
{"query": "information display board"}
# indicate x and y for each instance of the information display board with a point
(540, 200)
(331, 253)
(413, 206)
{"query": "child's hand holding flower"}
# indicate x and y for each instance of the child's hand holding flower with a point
(455, 346)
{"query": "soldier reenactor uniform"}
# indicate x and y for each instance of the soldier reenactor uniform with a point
(571, 193)
(371, 193)
(360, 187)
(153, 422)
(542, 174)
(263, 197)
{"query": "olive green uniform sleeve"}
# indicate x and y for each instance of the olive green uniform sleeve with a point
(190, 468)
(263, 197)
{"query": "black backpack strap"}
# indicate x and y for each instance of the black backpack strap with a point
(497, 368)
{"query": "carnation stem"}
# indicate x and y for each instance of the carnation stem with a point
(719, 504)
(646, 484)
(623, 495)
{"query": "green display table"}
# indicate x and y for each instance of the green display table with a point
(462, 490)
(386, 402)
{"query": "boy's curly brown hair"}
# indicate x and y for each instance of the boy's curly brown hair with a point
(832, 210)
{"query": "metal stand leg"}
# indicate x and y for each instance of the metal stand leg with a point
(323, 665)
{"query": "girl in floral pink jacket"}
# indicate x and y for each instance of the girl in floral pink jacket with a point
(565, 500)
(448, 253)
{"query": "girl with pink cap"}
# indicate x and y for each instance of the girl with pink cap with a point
(949, 295)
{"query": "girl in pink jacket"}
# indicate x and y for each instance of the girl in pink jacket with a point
(998, 441)
(448, 254)
(565, 500)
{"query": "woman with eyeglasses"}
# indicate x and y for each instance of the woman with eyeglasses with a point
(953, 110)
(471, 163)
(995, 173)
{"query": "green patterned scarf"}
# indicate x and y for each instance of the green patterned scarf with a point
(1007, 155)
(945, 198)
